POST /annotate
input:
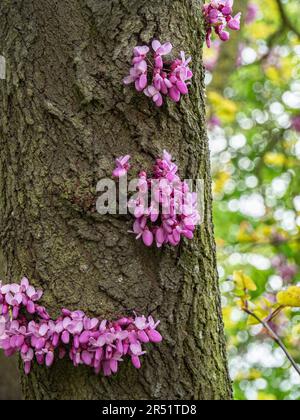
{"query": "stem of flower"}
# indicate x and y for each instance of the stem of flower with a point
(275, 337)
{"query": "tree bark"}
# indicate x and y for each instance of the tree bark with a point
(65, 116)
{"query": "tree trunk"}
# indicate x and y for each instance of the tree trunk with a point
(65, 116)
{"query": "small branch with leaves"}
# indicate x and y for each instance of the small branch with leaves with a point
(286, 298)
(275, 337)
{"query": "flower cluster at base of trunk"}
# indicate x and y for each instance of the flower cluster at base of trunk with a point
(26, 328)
(218, 17)
(157, 77)
(170, 213)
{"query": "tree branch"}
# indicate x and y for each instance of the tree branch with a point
(275, 337)
(285, 24)
(286, 20)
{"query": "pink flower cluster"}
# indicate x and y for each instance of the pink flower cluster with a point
(157, 77)
(164, 208)
(26, 328)
(218, 17)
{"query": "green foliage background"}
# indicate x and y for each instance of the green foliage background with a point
(256, 169)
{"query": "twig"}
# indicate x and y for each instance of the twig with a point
(286, 20)
(275, 337)
(274, 314)
(285, 24)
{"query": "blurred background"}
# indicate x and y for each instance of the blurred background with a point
(253, 93)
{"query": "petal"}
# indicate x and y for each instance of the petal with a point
(128, 80)
(66, 322)
(49, 359)
(158, 100)
(156, 45)
(9, 298)
(15, 288)
(5, 289)
(25, 282)
(40, 343)
(65, 338)
(166, 48)
(18, 298)
(140, 322)
(27, 367)
(84, 338)
(158, 62)
(143, 81)
(141, 50)
(143, 337)
(174, 94)
(86, 358)
(114, 365)
(142, 67)
(136, 348)
(137, 85)
(182, 87)
(30, 291)
(160, 236)
(154, 336)
(43, 329)
(148, 237)
(136, 362)
(168, 83)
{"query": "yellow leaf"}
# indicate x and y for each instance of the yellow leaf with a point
(250, 376)
(262, 396)
(289, 297)
(224, 108)
(220, 181)
(262, 314)
(262, 309)
(243, 282)
(275, 159)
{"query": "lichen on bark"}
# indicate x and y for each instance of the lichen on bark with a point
(65, 116)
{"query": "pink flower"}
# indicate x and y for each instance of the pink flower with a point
(168, 78)
(155, 95)
(171, 213)
(102, 345)
(235, 22)
(138, 73)
(122, 166)
(218, 16)
(27, 359)
(224, 35)
(142, 231)
(160, 50)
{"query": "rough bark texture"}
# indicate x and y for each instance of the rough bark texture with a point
(64, 117)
